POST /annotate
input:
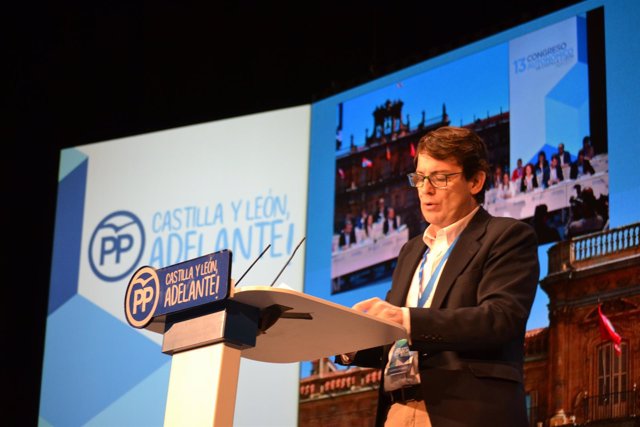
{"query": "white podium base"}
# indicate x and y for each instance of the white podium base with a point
(202, 387)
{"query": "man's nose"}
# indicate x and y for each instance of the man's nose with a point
(427, 187)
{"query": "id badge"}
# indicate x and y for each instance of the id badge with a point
(402, 368)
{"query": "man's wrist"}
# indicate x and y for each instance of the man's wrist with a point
(406, 319)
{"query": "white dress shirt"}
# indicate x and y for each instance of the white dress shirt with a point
(438, 244)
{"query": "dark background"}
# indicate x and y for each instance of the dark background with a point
(88, 71)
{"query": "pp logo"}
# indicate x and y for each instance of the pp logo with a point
(141, 299)
(116, 246)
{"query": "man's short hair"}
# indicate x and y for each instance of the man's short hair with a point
(461, 145)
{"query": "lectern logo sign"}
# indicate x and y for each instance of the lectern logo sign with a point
(143, 294)
(153, 294)
(116, 246)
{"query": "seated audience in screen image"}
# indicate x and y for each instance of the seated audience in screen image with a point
(362, 219)
(528, 182)
(347, 235)
(505, 191)
(564, 157)
(371, 229)
(581, 166)
(496, 178)
(542, 169)
(392, 222)
(555, 171)
(381, 212)
(545, 232)
(587, 148)
(463, 290)
(518, 171)
(585, 213)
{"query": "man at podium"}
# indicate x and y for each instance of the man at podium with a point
(463, 290)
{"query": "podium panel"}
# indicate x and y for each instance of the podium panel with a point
(311, 328)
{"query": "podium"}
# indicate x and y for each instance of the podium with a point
(261, 323)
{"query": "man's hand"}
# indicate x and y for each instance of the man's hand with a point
(380, 308)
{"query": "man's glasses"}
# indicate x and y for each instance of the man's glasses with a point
(437, 180)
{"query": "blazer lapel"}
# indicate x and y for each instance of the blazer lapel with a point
(462, 253)
(398, 296)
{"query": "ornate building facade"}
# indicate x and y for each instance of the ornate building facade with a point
(574, 375)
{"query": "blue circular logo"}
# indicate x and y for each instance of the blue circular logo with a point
(141, 299)
(116, 246)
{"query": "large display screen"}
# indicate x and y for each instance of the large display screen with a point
(529, 99)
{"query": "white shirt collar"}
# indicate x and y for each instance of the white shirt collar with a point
(450, 232)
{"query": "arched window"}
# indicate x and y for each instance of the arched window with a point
(532, 407)
(613, 380)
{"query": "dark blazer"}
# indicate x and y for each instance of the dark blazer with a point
(471, 340)
(385, 225)
(544, 170)
(523, 186)
(559, 175)
(586, 169)
(343, 239)
(566, 157)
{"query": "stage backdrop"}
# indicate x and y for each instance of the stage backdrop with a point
(158, 199)
(173, 195)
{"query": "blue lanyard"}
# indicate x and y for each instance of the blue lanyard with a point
(424, 294)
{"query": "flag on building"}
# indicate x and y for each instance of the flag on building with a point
(366, 163)
(608, 332)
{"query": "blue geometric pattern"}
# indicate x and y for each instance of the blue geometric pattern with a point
(65, 265)
(567, 109)
(127, 411)
(70, 159)
(581, 28)
(91, 361)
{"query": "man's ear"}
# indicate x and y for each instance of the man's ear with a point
(476, 183)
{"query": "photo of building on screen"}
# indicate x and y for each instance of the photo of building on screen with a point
(539, 105)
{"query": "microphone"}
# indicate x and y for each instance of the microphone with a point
(252, 264)
(288, 261)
